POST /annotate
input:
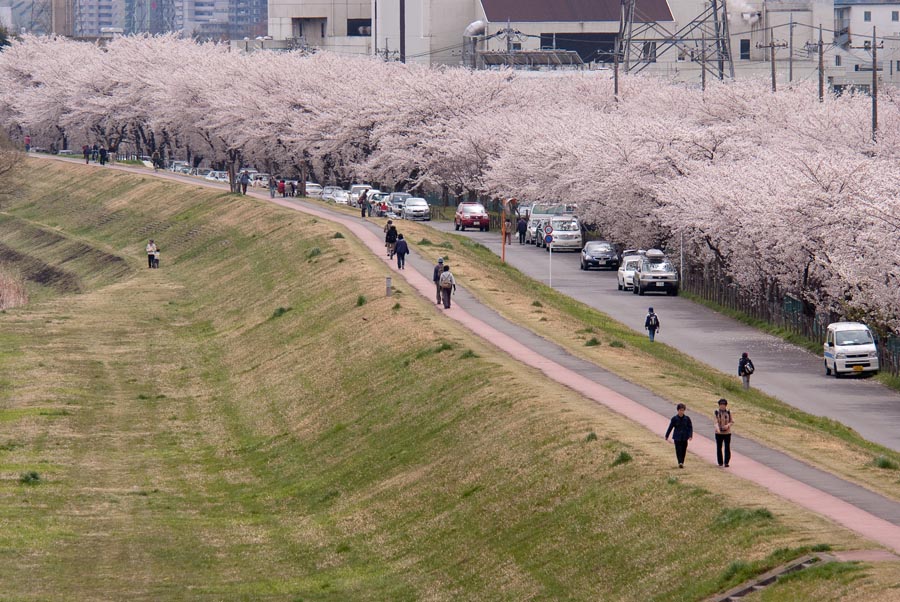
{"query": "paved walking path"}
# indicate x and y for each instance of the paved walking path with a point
(854, 507)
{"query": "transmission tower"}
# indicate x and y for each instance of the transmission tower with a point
(704, 39)
(162, 16)
(41, 19)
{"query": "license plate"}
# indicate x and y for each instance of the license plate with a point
(660, 284)
(476, 223)
(857, 368)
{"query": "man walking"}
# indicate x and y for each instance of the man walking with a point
(245, 181)
(448, 286)
(651, 323)
(684, 432)
(402, 249)
(438, 270)
(745, 369)
(521, 228)
(151, 253)
(723, 433)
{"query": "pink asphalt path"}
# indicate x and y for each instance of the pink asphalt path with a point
(702, 448)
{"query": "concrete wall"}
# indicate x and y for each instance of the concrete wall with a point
(334, 13)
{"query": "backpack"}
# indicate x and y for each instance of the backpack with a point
(748, 368)
(446, 280)
(654, 321)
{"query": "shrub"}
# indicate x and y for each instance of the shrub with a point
(537, 304)
(425, 242)
(338, 235)
(360, 301)
(623, 458)
(617, 344)
(396, 306)
(730, 517)
(468, 354)
(446, 245)
(280, 312)
(592, 342)
(314, 252)
(592, 436)
(30, 478)
(884, 462)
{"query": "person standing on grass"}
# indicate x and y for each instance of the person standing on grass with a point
(402, 250)
(683, 432)
(651, 323)
(438, 270)
(156, 258)
(745, 369)
(447, 284)
(723, 433)
(151, 253)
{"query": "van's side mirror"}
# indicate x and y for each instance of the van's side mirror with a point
(829, 344)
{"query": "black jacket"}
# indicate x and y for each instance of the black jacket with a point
(522, 225)
(743, 362)
(647, 324)
(391, 235)
(402, 248)
(437, 272)
(682, 426)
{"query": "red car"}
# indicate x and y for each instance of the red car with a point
(472, 215)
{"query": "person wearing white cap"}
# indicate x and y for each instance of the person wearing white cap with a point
(438, 270)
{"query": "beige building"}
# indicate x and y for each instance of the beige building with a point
(342, 26)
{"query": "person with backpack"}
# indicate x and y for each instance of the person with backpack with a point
(683, 432)
(438, 270)
(745, 369)
(390, 238)
(723, 420)
(402, 250)
(651, 323)
(447, 285)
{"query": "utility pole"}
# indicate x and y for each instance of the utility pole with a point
(616, 69)
(703, 63)
(772, 46)
(874, 86)
(821, 67)
(791, 50)
(402, 31)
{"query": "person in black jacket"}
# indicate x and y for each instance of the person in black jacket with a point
(684, 432)
(390, 239)
(651, 323)
(402, 249)
(745, 369)
(521, 228)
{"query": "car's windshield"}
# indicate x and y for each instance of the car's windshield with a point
(659, 266)
(565, 225)
(853, 337)
(598, 247)
(472, 209)
(632, 265)
(401, 195)
(416, 203)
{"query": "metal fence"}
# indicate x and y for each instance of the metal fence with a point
(777, 308)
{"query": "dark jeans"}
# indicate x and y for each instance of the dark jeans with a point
(521, 238)
(652, 332)
(720, 441)
(243, 188)
(150, 258)
(445, 297)
(437, 288)
(401, 260)
(680, 450)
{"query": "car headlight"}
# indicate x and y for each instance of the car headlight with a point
(840, 356)
(873, 354)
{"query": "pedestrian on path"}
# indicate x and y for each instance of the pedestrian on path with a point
(683, 432)
(521, 228)
(507, 231)
(27, 143)
(724, 423)
(281, 187)
(651, 323)
(104, 155)
(438, 269)
(86, 151)
(245, 181)
(273, 186)
(362, 205)
(745, 369)
(448, 286)
(402, 250)
(151, 253)
(390, 238)
(157, 162)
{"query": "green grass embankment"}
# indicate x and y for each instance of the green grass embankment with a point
(255, 421)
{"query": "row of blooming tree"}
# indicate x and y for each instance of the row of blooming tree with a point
(774, 193)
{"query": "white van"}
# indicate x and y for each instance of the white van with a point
(850, 348)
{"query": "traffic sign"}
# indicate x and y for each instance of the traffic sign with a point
(548, 229)
(548, 239)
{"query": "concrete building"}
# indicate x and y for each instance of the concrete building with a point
(342, 26)
(855, 22)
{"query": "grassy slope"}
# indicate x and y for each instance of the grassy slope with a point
(192, 443)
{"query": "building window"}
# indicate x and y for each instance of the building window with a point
(867, 16)
(745, 50)
(895, 15)
(358, 27)
(517, 45)
(323, 31)
(648, 53)
(837, 60)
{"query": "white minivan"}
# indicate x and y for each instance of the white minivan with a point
(850, 348)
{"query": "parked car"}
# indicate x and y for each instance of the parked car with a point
(850, 348)
(599, 254)
(627, 267)
(416, 208)
(355, 190)
(216, 176)
(313, 190)
(200, 171)
(534, 232)
(471, 215)
(397, 199)
(260, 180)
(328, 192)
(566, 234)
(656, 274)
(341, 197)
